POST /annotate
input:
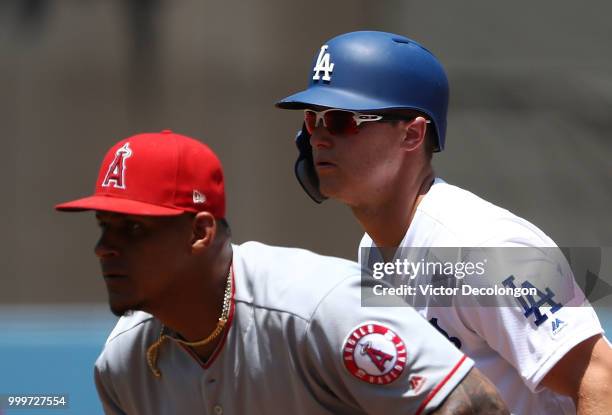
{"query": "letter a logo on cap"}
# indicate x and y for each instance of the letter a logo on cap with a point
(323, 65)
(115, 176)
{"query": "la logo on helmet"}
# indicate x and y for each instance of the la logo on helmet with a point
(115, 176)
(323, 65)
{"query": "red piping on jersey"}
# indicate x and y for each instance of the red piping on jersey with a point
(219, 347)
(439, 386)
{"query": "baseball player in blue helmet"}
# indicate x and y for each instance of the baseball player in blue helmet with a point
(374, 114)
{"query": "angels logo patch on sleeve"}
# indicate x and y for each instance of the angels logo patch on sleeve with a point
(375, 354)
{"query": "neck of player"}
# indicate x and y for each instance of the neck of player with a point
(194, 314)
(386, 218)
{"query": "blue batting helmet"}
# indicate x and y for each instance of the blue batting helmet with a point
(371, 71)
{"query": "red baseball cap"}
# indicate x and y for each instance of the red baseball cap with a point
(157, 174)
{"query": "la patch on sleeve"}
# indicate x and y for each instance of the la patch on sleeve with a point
(374, 353)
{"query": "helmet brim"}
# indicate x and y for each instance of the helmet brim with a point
(325, 97)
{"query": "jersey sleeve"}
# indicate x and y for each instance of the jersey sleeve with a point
(379, 359)
(531, 331)
(105, 390)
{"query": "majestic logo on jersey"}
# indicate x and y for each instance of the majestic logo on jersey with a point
(416, 382)
(557, 326)
(454, 340)
(115, 175)
(374, 354)
(323, 65)
(530, 306)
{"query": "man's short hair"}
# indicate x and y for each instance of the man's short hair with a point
(224, 227)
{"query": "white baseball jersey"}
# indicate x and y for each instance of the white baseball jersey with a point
(512, 345)
(298, 342)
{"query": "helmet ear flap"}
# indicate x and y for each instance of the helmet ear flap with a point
(304, 167)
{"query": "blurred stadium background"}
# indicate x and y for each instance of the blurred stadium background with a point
(529, 129)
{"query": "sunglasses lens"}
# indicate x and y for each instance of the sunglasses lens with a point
(340, 122)
(337, 122)
(310, 120)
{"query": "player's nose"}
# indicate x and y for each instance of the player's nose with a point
(320, 138)
(104, 249)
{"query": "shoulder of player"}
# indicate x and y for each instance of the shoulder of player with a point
(129, 332)
(287, 280)
(127, 337)
(466, 219)
(131, 323)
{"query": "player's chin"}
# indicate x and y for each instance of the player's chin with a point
(120, 307)
(330, 187)
(336, 189)
(119, 311)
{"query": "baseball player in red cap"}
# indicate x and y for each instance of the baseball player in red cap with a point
(212, 327)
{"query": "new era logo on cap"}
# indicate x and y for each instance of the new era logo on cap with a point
(157, 174)
(198, 197)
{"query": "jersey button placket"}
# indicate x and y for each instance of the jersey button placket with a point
(209, 385)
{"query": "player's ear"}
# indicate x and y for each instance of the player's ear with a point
(414, 133)
(204, 228)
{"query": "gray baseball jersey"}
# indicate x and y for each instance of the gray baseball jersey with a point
(298, 342)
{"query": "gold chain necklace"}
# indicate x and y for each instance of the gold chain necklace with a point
(153, 350)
